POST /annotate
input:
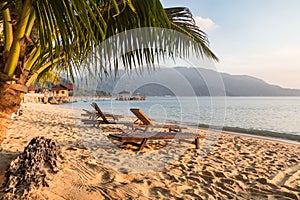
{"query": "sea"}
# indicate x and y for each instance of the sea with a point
(266, 116)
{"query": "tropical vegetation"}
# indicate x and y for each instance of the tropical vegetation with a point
(39, 37)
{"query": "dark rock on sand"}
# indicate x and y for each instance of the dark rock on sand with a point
(32, 168)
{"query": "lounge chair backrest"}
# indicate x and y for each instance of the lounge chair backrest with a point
(100, 113)
(141, 116)
(88, 112)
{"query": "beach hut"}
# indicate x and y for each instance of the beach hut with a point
(124, 96)
(62, 91)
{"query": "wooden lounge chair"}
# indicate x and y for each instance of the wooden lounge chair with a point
(143, 121)
(144, 137)
(90, 114)
(105, 116)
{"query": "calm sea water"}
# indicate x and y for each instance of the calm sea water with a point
(276, 114)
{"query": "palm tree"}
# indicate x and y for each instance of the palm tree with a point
(40, 36)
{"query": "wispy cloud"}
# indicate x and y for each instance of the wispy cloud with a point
(206, 24)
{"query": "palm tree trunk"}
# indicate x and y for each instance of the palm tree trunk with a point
(10, 99)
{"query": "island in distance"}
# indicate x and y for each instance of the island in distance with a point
(186, 81)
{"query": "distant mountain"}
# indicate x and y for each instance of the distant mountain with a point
(183, 81)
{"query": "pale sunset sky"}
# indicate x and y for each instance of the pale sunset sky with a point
(260, 38)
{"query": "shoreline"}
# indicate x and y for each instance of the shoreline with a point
(264, 137)
(203, 127)
(227, 165)
(263, 134)
(280, 137)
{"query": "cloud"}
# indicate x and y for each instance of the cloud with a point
(205, 24)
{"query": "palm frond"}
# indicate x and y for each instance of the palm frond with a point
(72, 29)
(171, 32)
(182, 21)
(46, 76)
(61, 25)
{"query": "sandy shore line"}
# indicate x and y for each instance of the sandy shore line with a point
(227, 166)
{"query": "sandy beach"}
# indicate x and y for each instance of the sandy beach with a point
(94, 167)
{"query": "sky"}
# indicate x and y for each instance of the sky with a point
(260, 38)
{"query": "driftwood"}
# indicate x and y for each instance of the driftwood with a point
(30, 170)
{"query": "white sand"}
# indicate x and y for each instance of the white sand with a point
(227, 166)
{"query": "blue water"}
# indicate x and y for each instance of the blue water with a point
(276, 114)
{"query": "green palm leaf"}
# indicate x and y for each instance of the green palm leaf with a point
(68, 30)
(182, 21)
(147, 47)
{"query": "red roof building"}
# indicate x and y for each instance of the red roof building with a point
(32, 89)
(62, 91)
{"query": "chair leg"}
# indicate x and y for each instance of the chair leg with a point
(197, 143)
(143, 143)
